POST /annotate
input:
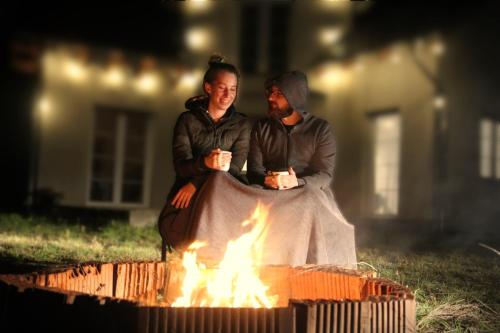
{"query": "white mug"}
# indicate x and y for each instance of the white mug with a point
(279, 174)
(224, 167)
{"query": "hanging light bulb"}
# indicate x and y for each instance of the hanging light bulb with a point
(75, 70)
(114, 77)
(437, 48)
(439, 101)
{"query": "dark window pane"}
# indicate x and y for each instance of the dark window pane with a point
(249, 43)
(101, 191)
(104, 145)
(278, 37)
(105, 121)
(132, 193)
(103, 162)
(108, 122)
(133, 171)
(103, 168)
(136, 125)
(134, 149)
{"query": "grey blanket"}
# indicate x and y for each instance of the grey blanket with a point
(305, 226)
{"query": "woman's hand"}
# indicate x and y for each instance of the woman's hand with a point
(183, 196)
(218, 160)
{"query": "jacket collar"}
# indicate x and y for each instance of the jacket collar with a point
(199, 106)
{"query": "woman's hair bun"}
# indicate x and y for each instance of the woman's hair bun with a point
(216, 59)
(216, 64)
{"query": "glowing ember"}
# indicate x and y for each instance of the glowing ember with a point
(235, 282)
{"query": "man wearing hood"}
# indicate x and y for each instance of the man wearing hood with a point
(293, 150)
(291, 147)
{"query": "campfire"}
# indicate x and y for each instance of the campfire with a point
(235, 281)
(237, 294)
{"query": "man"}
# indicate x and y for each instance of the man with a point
(291, 140)
(294, 151)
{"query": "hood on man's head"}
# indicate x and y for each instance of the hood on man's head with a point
(294, 86)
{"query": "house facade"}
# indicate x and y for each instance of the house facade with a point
(418, 145)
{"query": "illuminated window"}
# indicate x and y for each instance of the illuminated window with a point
(489, 148)
(119, 157)
(486, 147)
(497, 162)
(387, 141)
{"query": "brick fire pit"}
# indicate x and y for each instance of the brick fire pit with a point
(136, 297)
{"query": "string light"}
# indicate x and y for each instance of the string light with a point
(114, 77)
(437, 48)
(147, 83)
(189, 80)
(439, 102)
(197, 39)
(329, 36)
(44, 106)
(197, 6)
(75, 70)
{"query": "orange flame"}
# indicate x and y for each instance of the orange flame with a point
(235, 282)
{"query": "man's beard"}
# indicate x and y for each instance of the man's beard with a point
(279, 113)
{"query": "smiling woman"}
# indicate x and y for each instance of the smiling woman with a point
(210, 136)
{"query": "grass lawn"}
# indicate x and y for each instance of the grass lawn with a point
(457, 291)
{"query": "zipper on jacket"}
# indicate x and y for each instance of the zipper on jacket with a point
(215, 143)
(287, 145)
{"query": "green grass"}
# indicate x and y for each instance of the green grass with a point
(38, 240)
(456, 291)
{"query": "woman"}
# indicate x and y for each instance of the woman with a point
(211, 135)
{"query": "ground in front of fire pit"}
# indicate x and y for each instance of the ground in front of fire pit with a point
(456, 288)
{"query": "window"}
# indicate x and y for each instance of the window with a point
(119, 157)
(497, 160)
(279, 36)
(249, 42)
(386, 163)
(264, 37)
(489, 148)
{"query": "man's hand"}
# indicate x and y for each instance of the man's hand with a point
(271, 181)
(218, 160)
(282, 181)
(289, 181)
(183, 197)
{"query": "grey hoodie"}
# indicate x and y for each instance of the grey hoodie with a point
(309, 147)
(294, 86)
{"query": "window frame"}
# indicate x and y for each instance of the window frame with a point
(373, 116)
(119, 160)
(493, 159)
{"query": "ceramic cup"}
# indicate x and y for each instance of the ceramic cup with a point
(279, 174)
(221, 156)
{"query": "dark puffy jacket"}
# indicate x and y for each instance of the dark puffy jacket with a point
(196, 134)
(309, 148)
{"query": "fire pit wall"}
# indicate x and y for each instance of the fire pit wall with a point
(135, 297)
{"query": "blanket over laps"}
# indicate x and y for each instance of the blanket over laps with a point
(305, 226)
